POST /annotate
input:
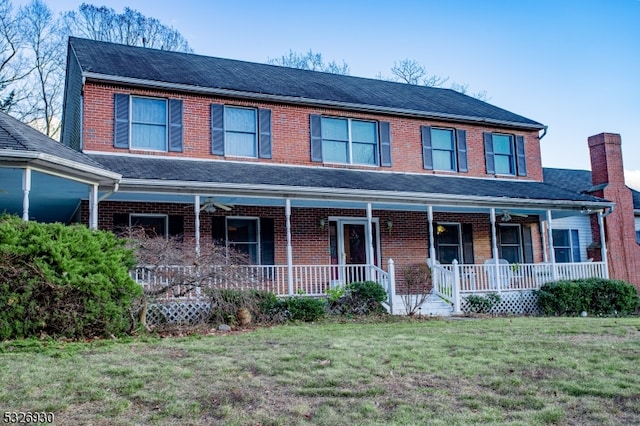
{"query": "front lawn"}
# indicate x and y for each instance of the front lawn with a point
(466, 371)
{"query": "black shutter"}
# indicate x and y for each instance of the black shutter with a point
(427, 151)
(521, 157)
(176, 226)
(527, 244)
(175, 125)
(267, 246)
(315, 127)
(488, 154)
(121, 121)
(218, 231)
(385, 144)
(217, 129)
(467, 243)
(264, 133)
(462, 150)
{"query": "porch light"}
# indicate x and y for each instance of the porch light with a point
(389, 225)
(321, 224)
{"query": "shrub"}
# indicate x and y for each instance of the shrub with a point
(418, 284)
(226, 303)
(65, 281)
(482, 304)
(296, 308)
(359, 298)
(595, 295)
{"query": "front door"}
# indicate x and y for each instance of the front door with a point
(352, 241)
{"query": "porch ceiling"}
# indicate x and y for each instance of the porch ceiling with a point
(51, 199)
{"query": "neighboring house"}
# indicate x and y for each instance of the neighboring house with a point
(322, 178)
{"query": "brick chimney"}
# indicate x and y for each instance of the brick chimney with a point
(607, 175)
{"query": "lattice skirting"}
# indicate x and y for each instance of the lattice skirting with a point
(512, 302)
(178, 312)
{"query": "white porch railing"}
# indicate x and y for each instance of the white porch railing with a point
(188, 282)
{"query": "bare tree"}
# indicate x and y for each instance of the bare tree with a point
(45, 44)
(411, 72)
(130, 27)
(310, 61)
(12, 68)
(172, 268)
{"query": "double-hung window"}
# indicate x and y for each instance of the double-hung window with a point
(448, 241)
(509, 243)
(350, 141)
(154, 225)
(240, 131)
(145, 123)
(242, 235)
(444, 149)
(505, 154)
(566, 245)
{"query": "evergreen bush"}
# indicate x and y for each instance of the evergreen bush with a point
(596, 296)
(63, 281)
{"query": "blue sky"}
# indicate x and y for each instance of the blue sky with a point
(573, 65)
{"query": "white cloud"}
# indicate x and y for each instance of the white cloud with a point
(632, 178)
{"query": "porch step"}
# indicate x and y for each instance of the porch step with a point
(433, 306)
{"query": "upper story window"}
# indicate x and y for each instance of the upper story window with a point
(240, 131)
(505, 154)
(153, 124)
(444, 149)
(350, 141)
(149, 123)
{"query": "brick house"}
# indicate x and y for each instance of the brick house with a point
(321, 178)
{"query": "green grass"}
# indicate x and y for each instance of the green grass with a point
(479, 371)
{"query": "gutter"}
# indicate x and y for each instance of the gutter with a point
(103, 78)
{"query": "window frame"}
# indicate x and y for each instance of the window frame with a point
(131, 123)
(459, 245)
(519, 244)
(258, 242)
(453, 152)
(511, 156)
(255, 133)
(152, 215)
(350, 142)
(572, 247)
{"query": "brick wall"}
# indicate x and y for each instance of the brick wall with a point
(607, 168)
(406, 243)
(290, 132)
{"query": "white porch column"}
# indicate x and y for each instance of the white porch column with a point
(370, 254)
(26, 188)
(545, 251)
(603, 244)
(289, 249)
(196, 213)
(93, 207)
(494, 248)
(432, 247)
(552, 254)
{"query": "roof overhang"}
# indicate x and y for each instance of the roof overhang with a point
(59, 166)
(398, 198)
(152, 84)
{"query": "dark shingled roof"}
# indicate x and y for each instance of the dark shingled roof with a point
(164, 169)
(577, 181)
(202, 72)
(17, 136)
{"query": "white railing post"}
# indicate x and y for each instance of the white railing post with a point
(26, 188)
(456, 286)
(391, 287)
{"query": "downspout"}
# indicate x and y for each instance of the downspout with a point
(544, 133)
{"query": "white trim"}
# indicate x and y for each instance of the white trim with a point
(166, 123)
